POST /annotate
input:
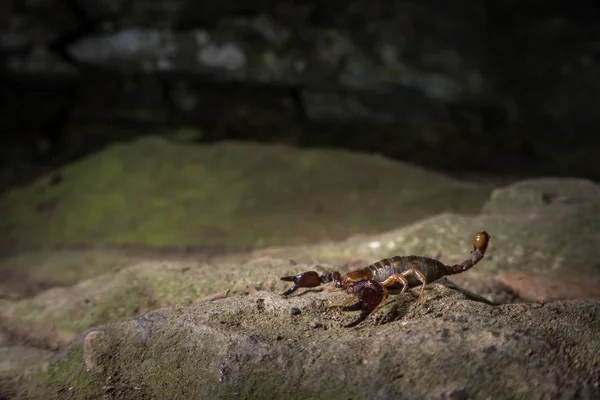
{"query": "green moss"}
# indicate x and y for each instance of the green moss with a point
(158, 193)
(66, 378)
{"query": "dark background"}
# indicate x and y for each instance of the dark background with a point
(471, 87)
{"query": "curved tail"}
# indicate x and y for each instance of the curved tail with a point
(480, 244)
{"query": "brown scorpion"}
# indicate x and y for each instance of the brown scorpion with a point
(369, 284)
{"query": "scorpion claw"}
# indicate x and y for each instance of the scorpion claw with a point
(370, 295)
(306, 279)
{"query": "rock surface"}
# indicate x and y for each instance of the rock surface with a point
(52, 318)
(97, 322)
(450, 348)
(522, 263)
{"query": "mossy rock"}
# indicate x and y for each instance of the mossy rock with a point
(238, 195)
(254, 347)
(530, 236)
(54, 317)
(201, 328)
(19, 358)
(28, 273)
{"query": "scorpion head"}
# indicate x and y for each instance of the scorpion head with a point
(480, 241)
(348, 280)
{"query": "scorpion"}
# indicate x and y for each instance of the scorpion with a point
(369, 285)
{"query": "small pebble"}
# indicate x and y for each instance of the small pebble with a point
(314, 324)
(295, 311)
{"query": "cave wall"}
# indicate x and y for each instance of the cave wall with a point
(506, 87)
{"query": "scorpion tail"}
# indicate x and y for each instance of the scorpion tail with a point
(370, 295)
(480, 244)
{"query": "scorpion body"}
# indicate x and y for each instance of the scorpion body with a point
(369, 284)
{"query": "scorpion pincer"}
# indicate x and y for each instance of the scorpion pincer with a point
(368, 285)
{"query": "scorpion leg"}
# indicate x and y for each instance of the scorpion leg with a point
(421, 277)
(394, 279)
(370, 295)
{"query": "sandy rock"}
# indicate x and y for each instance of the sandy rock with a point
(450, 347)
(53, 318)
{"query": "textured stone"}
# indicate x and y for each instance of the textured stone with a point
(253, 346)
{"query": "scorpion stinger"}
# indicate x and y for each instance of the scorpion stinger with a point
(369, 284)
